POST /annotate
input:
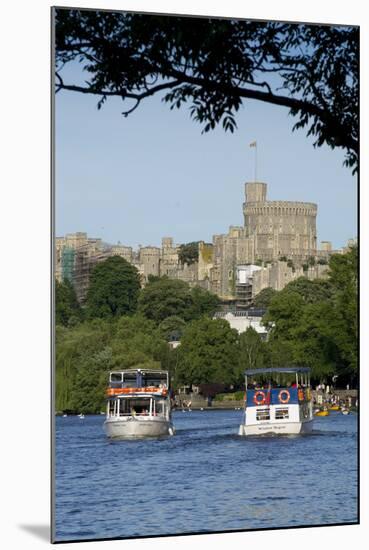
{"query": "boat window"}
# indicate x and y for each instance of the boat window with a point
(154, 379)
(111, 407)
(116, 377)
(263, 414)
(129, 379)
(134, 407)
(159, 408)
(281, 413)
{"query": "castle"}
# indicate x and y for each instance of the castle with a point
(276, 244)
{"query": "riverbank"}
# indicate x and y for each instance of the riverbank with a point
(348, 397)
(199, 403)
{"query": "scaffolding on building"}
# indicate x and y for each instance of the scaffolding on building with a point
(67, 261)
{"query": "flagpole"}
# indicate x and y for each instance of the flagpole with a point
(254, 144)
(256, 162)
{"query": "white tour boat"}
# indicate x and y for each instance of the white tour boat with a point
(277, 401)
(138, 404)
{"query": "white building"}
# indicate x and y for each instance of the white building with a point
(241, 321)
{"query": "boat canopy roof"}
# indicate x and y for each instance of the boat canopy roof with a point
(277, 370)
(143, 371)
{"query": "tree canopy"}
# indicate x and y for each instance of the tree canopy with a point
(264, 297)
(208, 353)
(215, 64)
(172, 297)
(314, 323)
(114, 288)
(67, 308)
(310, 290)
(252, 350)
(189, 253)
(85, 354)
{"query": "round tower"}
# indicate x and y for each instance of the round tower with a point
(279, 228)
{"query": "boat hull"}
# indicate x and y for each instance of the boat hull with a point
(133, 427)
(282, 428)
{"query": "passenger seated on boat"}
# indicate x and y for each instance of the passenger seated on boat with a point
(133, 411)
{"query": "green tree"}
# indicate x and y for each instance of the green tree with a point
(314, 323)
(264, 297)
(137, 343)
(214, 65)
(283, 313)
(252, 352)
(170, 325)
(165, 298)
(282, 316)
(113, 290)
(208, 353)
(313, 342)
(67, 308)
(172, 297)
(86, 353)
(203, 303)
(311, 291)
(280, 352)
(189, 253)
(88, 393)
(74, 348)
(343, 272)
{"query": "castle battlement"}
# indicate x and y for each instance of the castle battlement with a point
(273, 208)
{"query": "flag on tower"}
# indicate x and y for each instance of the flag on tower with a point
(253, 144)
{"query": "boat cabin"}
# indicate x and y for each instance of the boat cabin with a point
(277, 386)
(137, 378)
(138, 393)
(131, 405)
(277, 400)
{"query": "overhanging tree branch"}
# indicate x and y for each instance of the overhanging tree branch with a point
(215, 64)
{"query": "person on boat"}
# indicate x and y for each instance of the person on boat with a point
(133, 411)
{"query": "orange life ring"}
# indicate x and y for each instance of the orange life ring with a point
(286, 399)
(262, 400)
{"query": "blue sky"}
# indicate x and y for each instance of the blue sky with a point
(154, 174)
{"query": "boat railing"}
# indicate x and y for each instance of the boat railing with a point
(138, 415)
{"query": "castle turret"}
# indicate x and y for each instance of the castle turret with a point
(255, 192)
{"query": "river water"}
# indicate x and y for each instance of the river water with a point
(206, 478)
